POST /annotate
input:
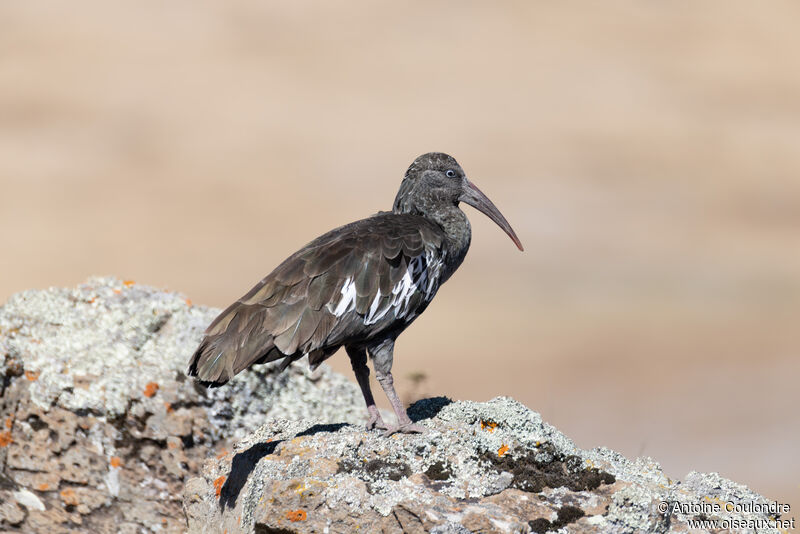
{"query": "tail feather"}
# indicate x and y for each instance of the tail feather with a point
(233, 342)
(209, 365)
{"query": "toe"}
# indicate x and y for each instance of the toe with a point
(376, 423)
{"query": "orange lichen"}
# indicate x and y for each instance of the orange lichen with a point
(150, 389)
(221, 454)
(69, 497)
(91, 300)
(502, 450)
(172, 445)
(296, 515)
(117, 291)
(188, 302)
(218, 485)
(5, 438)
(32, 375)
(488, 425)
(9, 422)
(43, 486)
(128, 283)
(115, 461)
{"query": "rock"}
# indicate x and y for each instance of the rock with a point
(101, 431)
(11, 514)
(100, 427)
(491, 467)
(28, 500)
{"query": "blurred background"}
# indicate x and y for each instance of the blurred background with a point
(645, 152)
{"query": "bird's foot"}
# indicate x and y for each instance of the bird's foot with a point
(375, 421)
(405, 428)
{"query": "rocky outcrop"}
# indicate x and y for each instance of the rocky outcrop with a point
(491, 467)
(100, 425)
(101, 431)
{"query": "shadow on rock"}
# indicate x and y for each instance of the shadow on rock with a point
(314, 429)
(241, 467)
(427, 408)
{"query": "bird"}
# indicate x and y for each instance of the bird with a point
(358, 286)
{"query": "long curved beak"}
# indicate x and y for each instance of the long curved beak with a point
(475, 198)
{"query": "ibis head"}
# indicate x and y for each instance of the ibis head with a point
(435, 182)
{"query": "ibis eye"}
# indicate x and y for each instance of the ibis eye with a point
(450, 173)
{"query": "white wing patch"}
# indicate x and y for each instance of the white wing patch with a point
(422, 275)
(348, 300)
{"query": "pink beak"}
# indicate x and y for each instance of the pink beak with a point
(475, 198)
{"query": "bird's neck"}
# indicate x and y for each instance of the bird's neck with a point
(458, 235)
(456, 227)
(454, 222)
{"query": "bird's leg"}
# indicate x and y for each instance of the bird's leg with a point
(358, 360)
(382, 356)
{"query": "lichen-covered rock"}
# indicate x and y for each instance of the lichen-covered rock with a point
(100, 425)
(491, 467)
(101, 431)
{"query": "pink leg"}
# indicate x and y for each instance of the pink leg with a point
(404, 423)
(382, 356)
(358, 360)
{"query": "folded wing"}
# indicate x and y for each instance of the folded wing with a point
(354, 282)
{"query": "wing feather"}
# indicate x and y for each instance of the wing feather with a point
(289, 341)
(367, 278)
(280, 318)
(322, 289)
(326, 322)
(383, 276)
(291, 311)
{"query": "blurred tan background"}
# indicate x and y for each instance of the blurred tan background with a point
(645, 152)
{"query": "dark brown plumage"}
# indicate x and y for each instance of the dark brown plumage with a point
(357, 286)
